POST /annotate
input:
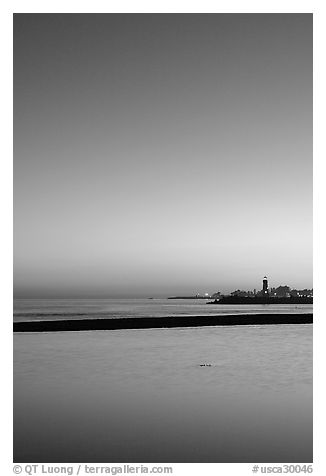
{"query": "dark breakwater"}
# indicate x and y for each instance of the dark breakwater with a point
(160, 322)
(262, 300)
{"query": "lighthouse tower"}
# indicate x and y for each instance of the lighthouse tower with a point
(265, 286)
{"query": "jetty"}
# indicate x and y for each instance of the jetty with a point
(161, 322)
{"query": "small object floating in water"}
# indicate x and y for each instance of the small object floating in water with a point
(205, 365)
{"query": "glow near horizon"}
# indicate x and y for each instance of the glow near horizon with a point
(161, 154)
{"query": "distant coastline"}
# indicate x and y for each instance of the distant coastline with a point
(262, 300)
(189, 297)
(274, 295)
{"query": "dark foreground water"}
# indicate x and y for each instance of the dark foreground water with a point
(143, 396)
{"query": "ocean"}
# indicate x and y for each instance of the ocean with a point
(52, 309)
(214, 394)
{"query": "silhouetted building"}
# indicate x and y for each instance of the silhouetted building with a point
(282, 291)
(265, 286)
(302, 293)
(239, 293)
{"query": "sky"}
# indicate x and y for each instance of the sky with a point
(159, 154)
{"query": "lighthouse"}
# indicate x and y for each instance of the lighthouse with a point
(265, 286)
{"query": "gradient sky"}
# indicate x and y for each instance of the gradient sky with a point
(158, 154)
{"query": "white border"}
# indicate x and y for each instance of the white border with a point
(315, 7)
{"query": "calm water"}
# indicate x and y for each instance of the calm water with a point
(143, 396)
(38, 309)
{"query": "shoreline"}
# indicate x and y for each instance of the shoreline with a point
(161, 322)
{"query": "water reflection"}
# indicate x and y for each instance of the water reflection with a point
(142, 396)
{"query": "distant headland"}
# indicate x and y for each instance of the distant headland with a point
(197, 296)
(274, 295)
(262, 300)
